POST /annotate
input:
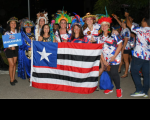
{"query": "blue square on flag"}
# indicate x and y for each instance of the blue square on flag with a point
(45, 54)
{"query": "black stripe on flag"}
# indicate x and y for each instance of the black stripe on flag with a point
(66, 78)
(78, 58)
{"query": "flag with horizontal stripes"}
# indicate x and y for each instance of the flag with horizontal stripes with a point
(68, 67)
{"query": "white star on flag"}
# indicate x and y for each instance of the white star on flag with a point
(44, 55)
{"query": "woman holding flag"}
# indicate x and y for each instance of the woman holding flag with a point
(90, 28)
(45, 34)
(63, 20)
(77, 32)
(24, 60)
(12, 52)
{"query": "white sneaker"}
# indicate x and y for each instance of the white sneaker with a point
(129, 68)
(146, 96)
(138, 94)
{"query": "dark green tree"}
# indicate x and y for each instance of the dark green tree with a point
(137, 9)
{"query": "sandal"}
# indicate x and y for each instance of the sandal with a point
(124, 76)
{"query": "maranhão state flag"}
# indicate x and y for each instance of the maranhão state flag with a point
(67, 67)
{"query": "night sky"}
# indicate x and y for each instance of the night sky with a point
(50, 6)
(55, 5)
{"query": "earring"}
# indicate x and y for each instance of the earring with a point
(100, 31)
(109, 31)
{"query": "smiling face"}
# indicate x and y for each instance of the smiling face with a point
(56, 27)
(89, 21)
(28, 30)
(46, 29)
(63, 24)
(42, 22)
(13, 25)
(76, 29)
(105, 27)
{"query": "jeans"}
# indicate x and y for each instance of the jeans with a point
(136, 65)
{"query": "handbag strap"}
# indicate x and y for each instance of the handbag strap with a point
(59, 35)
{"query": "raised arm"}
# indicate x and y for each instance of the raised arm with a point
(129, 24)
(116, 17)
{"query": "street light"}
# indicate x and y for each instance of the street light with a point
(29, 9)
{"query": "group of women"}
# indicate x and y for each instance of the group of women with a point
(75, 30)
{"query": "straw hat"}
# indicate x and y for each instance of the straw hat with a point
(12, 19)
(89, 15)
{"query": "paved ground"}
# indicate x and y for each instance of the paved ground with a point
(22, 90)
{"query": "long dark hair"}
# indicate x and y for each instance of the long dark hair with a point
(9, 29)
(42, 31)
(81, 35)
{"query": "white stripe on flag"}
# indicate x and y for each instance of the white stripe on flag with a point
(81, 52)
(62, 82)
(79, 64)
(66, 73)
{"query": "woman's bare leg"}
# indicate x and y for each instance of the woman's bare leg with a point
(126, 60)
(11, 69)
(14, 70)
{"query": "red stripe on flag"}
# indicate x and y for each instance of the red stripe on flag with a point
(80, 46)
(64, 88)
(72, 69)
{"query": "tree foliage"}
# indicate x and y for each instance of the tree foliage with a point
(137, 7)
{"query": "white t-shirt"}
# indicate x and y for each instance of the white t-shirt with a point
(94, 32)
(63, 36)
(142, 49)
(8, 33)
(110, 47)
(125, 33)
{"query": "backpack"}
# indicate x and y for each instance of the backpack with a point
(105, 82)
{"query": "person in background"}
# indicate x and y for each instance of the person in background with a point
(1, 30)
(133, 41)
(12, 52)
(133, 23)
(126, 48)
(62, 34)
(141, 56)
(42, 19)
(55, 26)
(1, 33)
